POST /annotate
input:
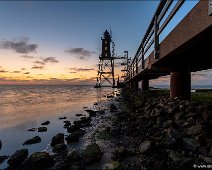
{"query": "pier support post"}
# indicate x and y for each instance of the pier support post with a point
(180, 84)
(145, 85)
(135, 85)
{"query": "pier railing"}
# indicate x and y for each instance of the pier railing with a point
(161, 18)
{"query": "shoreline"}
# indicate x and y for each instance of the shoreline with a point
(141, 130)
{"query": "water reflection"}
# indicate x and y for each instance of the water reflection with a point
(25, 107)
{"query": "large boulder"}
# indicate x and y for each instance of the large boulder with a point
(59, 148)
(39, 160)
(91, 153)
(73, 137)
(34, 140)
(59, 138)
(18, 157)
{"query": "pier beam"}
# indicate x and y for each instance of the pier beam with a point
(180, 84)
(145, 85)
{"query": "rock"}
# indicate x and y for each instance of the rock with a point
(45, 123)
(207, 114)
(39, 160)
(66, 121)
(2, 158)
(167, 123)
(81, 132)
(85, 119)
(59, 148)
(190, 114)
(67, 124)
(178, 116)
(208, 160)
(210, 152)
(91, 153)
(174, 156)
(42, 129)
(173, 133)
(61, 118)
(73, 128)
(168, 141)
(79, 114)
(34, 140)
(0, 144)
(114, 165)
(73, 137)
(57, 139)
(18, 157)
(203, 151)
(110, 96)
(101, 112)
(178, 159)
(190, 144)
(201, 139)
(91, 113)
(145, 147)
(194, 130)
(32, 129)
(113, 107)
(74, 156)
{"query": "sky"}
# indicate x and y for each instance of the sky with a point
(59, 42)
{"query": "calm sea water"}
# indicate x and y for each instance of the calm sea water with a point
(25, 107)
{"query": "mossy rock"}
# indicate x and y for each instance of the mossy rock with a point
(91, 153)
(114, 165)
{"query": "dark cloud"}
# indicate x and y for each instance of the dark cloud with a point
(72, 72)
(20, 46)
(81, 53)
(27, 56)
(49, 60)
(37, 67)
(74, 69)
(39, 62)
(16, 72)
(26, 73)
(23, 68)
(3, 71)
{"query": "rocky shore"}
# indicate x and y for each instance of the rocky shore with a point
(133, 130)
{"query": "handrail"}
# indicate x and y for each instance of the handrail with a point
(154, 29)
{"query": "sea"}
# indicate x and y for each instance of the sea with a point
(23, 107)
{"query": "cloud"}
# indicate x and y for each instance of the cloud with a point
(81, 53)
(16, 72)
(49, 60)
(39, 62)
(73, 72)
(20, 46)
(74, 69)
(23, 68)
(3, 71)
(37, 67)
(27, 56)
(26, 73)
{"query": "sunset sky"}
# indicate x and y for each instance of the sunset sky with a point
(53, 42)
